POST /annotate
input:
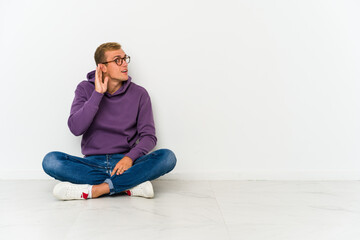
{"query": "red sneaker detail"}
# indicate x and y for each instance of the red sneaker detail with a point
(128, 192)
(84, 195)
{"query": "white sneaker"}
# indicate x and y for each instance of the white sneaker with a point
(70, 191)
(144, 189)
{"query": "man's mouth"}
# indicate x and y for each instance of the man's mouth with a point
(124, 71)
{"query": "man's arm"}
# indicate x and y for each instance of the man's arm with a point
(83, 110)
(145, 128)
(147, 140)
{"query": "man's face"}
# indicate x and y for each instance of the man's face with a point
(114, 71)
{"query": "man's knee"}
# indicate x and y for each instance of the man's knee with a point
(50, 162)
(169, 158)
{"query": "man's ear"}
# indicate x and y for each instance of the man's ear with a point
(103, 67)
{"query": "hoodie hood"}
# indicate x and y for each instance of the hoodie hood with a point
(125, 85)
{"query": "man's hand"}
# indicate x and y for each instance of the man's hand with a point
(100, 85)
(124, 164)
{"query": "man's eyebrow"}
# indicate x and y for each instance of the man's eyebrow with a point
(117, 56)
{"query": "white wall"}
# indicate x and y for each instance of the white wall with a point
(240, 89)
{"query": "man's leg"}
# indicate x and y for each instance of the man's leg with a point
(65, 167)
(145, 168)
(68, 168)
(79, 171)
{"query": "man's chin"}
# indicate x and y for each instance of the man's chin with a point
(123, 79)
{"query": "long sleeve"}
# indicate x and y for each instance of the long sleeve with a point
(83, 110)
(145, 129)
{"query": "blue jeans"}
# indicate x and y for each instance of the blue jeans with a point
(96, 169)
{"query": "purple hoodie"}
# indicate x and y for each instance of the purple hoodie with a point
(112, 123)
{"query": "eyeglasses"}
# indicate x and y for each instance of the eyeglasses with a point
(119, 61)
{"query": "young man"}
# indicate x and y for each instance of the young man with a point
(115, 117)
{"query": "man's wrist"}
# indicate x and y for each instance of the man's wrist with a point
(128, 158)
(99, 91)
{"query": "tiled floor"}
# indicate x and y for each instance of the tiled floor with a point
(187, 210)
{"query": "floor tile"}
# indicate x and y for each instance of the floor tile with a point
(186, 210)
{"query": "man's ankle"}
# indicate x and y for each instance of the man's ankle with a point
(101, 189)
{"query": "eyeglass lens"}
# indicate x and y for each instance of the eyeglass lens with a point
(119, 61)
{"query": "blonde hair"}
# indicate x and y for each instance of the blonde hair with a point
(100, 51)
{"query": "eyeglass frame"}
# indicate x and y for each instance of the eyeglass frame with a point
(116, 59)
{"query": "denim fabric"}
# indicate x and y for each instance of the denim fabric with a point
(96, 169)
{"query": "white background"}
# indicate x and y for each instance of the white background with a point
(240, 89)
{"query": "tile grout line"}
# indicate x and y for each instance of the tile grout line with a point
(222, 216)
